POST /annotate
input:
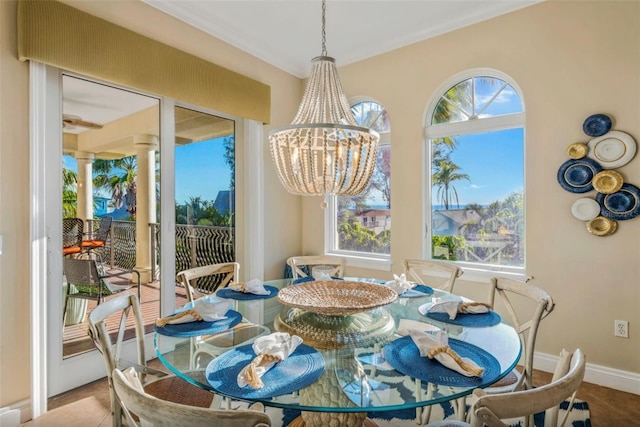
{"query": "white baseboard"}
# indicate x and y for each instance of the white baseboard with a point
(23, 406)
(596, 374)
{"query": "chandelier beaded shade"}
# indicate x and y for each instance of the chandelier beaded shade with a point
(324, 150)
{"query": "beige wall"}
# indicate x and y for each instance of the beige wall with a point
(281, 208)
(571, 60)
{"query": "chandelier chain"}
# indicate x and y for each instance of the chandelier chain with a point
(324, 35)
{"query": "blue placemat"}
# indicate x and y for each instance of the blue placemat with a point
(297, 371)
(231, 294)
(489, 318)
(417, 291)
(194, 329)
(405, 357)
(310, 279)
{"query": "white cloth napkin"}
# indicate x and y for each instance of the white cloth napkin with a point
(208, 309)
(435, 345)
(454, 306)
(254, 286)
(400, 284)
(270, 349)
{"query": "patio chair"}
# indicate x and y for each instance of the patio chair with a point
(90, 281)
(72, 232)
(142, 409)
(156, 383)
(417, 270)
(206, 280)
(98, 240)
(493, 410)
(317, 265)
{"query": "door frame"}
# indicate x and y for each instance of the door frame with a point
(45, 140)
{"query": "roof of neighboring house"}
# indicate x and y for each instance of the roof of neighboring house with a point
(117, 214)
(459, 216)
(374, 212)
(222, 201)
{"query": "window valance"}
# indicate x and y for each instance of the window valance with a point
(59, 35)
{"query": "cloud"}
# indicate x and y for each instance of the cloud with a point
(476, 186)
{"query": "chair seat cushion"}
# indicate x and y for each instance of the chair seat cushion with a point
(93, 243)
(71, 250)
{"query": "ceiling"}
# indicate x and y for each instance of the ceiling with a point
(288, 33)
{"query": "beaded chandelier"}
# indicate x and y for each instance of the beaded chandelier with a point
(324, 150)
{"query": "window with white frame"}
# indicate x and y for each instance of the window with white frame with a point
(475, 193)
(354, 225)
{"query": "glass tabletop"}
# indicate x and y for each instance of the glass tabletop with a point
(358, 354)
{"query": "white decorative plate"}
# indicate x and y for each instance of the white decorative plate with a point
(612, 150)
(585, 209)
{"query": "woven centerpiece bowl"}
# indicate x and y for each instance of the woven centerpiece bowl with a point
(336, 298)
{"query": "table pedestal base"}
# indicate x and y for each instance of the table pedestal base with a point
(332, 419)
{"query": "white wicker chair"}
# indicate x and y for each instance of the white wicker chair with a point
(150, 410)
(335, 265)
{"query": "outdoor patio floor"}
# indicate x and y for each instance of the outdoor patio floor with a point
(76, 339)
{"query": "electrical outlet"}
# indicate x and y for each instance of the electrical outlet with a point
(621, 328)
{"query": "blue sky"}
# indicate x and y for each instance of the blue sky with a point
(201, 170)
(493, 161)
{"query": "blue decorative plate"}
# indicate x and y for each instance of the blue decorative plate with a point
(231, 294)
(405, 357)
(194, 329)
(576, 175)
(597, 125)
(489, 318)
(417, 291)
(621, 205)
(297, 371)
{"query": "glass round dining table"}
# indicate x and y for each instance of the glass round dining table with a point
(351, 364)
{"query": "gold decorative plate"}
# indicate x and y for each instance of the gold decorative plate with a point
(336, 297)
(607, 182)
(577, 150)
(602, 226)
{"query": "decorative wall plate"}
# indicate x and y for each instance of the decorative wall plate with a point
(597, 125)
(613, 150)
(621, 205)
(577, 150)
(607, 182)
(585, 209)
(602, 226)
(576, 175)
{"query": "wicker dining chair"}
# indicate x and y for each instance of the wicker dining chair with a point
(331, 266)
(157, 412)
(98, 240)
(72, 232)
(156, 383)
(417, 270)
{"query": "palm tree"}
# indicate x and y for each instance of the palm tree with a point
(69, 193)
(122, 183)
(446, 174)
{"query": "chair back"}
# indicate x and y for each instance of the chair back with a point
(205, 280)
(84, 272)
(491, 409)
(72, 229)
(156, 412)
(331, 265)
(129, 308)
(103, 230)
(524, 321)
(424, 271)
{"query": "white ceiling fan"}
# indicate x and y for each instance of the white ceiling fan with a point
(70, 121)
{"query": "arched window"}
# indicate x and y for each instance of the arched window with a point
(475, 194)
(361, 225)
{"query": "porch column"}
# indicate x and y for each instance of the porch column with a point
(85, 185)
(146, 146)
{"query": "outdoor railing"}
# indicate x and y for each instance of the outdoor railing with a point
(196, 245)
